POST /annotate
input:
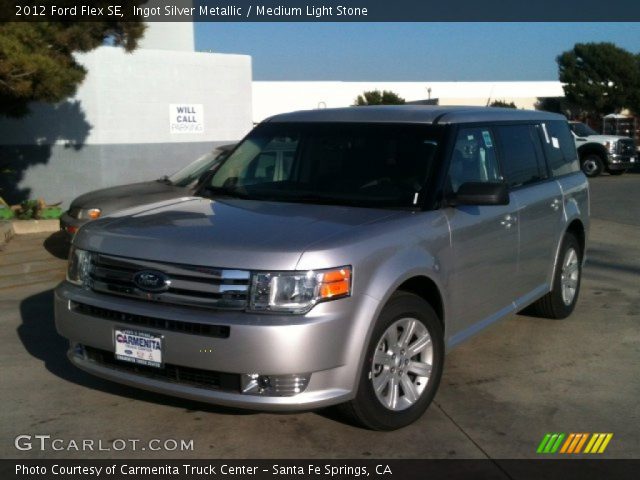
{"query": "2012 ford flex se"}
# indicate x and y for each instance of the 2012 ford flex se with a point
(333, 258)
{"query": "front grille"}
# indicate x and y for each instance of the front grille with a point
(195, 377)
(217, 331)
(189, 285)
(626, 147)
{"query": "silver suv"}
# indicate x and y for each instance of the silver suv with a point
(333, 258)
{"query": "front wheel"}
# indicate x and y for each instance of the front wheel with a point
(402, 368)
(592, 165)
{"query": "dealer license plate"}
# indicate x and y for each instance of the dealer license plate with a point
(138, 347)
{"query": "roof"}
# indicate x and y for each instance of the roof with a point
(414, 114)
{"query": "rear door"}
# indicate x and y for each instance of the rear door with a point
(484, 239)
(539, 203)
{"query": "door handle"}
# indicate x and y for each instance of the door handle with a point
(555, 204)
(508, 221)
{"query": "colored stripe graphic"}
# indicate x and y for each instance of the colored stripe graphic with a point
(598, 442)
(570, 438)
(550, 443)
(574, 443)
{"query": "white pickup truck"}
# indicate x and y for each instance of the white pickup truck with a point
(598, 153)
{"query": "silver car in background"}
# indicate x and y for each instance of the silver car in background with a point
(92, 205)
(333, 258)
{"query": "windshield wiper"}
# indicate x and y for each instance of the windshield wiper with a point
(165, 179)
(327, 199)
(224, 191)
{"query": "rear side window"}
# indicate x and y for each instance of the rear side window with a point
(560, 148)
(521, 154)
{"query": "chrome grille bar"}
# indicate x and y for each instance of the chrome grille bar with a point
(196, 286)
(626, 147)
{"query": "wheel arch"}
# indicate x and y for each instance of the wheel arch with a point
(577, 228)
(427, 289)
(593, 148)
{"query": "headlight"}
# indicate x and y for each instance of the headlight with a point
(79, 268)
(298, 292)
(610, 146)
(89, 213)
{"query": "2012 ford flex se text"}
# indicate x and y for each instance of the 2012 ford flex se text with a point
(333, 258)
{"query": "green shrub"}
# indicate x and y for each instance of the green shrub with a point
(6, 213)
(28, 209)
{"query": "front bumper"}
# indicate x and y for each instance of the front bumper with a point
(70, 225)
(622, 162)
(326, 343)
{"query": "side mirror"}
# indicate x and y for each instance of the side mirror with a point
(481, 193)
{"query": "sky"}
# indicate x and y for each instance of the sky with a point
(408, 51)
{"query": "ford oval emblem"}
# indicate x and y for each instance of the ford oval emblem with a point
(151, 281)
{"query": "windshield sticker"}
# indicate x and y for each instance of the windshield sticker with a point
(546, 135)
(555, 143)
(487, 139)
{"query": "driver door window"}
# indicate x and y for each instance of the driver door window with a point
(474, 158)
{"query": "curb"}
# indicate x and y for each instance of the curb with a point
(6, 232)
(21, 227)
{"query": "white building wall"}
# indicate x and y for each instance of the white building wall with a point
(127, 96)
(115, 130)
(168, 36)
(273, 97)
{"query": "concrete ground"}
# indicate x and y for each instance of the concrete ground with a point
(500, 393)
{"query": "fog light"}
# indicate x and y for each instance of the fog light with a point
(264, 381)
(274, 385)
(78, 350)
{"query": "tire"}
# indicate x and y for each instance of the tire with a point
(592, 165)
(367, 408)
(555, 304)
(616, 172)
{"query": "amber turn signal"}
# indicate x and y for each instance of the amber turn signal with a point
(336, 283)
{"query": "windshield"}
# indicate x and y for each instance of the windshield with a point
(192, 172)
(329, 163)
(582, 129)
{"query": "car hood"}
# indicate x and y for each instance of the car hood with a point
(605, 138)
(117, 198)
(233, 233)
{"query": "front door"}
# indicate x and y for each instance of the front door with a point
(484, 240)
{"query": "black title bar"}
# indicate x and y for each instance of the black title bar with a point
(317, 469)
(322, 10)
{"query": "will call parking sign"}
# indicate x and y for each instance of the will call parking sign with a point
(186, 118)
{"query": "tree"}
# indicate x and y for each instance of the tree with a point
(37, 62)
(600, 78)
(376, 97)
(502, 104)
(634, 97)
(559, 105)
